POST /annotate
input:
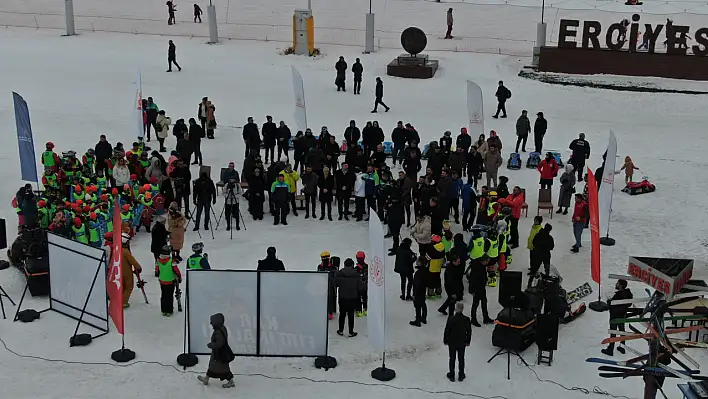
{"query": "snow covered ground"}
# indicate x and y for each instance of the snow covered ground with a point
(80, 87)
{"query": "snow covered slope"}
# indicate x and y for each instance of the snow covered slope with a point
(80, 87)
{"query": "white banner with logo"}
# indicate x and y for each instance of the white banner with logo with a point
(300, 108)
(475, 109)
(376, 318)
(607, 187)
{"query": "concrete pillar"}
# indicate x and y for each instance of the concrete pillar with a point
(69, 15)
(540, 42)
(213, 29)
(370, 33)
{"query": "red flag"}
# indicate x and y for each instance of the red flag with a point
(594, 227)
(114, 284)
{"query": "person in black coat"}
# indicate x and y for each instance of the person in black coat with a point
(618, 312)
(396, 218)
(420, 286)
(581, 152)
(256, 188)
(344, 179)
(357, 69)
(184, 148)
(196, 134)
(405, 259)
(181, 181)
(204, 195)
(103, 151)
(454, 272)
(331, 153)
(299, 151)
(399, 138)
(172, 54)
(539, 130)
(352, 134)
(179, 129)
(326, 185)
(457, 337)
(474, 165)
(543, 244)
(159, 236)
(283, 136)
(348, 281)
(379, 96)
(478, 288)
(502, 95)
(270, 135)
(412, 160)
(271, 263)
(251, 137)
(340, 80)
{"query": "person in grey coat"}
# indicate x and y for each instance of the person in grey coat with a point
(567, 189)
(523, 128)
(218, 367)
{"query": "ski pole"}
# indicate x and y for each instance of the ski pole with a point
(178, 296)
(141, 285)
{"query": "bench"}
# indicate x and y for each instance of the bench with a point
(220, 184)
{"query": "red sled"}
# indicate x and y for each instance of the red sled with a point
(642, 187)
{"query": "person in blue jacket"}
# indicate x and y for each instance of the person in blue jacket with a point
(455, 191)
(469, 204)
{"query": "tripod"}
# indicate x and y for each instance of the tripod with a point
(230, 194)
(3, 293)
(508, 353)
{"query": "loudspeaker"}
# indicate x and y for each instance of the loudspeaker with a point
(509, 288)
(547, 332)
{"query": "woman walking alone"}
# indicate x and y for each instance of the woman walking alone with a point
(221, 354)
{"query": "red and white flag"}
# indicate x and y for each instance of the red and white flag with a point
(114, 284)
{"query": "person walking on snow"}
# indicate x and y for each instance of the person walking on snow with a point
(379, 96)
(358, 70)
(171, 8)
(172, 56)
(221, 354)
(197, 13)
(502, 95)
(448, 34)
(539, 130)
(523, 128)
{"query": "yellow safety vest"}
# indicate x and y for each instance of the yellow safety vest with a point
(503, 238)
(490, 208)
(477, 250)
(493, 251)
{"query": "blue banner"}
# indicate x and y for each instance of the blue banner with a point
(28, 164)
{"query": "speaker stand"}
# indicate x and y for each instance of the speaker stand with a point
(3, 293)
(508, 354)
(544, 357)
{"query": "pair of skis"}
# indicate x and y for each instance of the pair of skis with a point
(178, 296)
(630, 337)
(141, 284)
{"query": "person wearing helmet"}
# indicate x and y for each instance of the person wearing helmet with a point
(89, 159)
(169, 276)
(328, 265)
(436, 257)
(446, 143)
(197, 260)
(271, 263)
(493, 207)
(362, 268)
(50, 159)
(349, 283)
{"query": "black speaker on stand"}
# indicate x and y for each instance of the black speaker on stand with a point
(546, 337)
(510, 288)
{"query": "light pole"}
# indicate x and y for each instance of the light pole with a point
(540, 35)
(369, 43)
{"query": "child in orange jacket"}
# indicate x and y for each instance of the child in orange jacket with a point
(628, 168)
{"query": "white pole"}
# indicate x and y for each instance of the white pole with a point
(213, 29)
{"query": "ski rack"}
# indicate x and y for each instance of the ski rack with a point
(667, 277)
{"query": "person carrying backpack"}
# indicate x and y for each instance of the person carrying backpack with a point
(221, 354)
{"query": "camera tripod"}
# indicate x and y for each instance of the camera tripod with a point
(190, 220)
(508, 353)
(223, 209)
(3, 293)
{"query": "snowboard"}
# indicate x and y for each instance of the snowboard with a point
(648, 319)
(623, 338)
(578, 293)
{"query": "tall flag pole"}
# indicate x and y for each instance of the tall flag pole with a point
(599, 305)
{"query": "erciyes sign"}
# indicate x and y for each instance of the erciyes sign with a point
(613, 38)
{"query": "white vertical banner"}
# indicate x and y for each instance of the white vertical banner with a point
(607, 186)
(475, 109)
(376, 317)
(300, 109)
(138, 106)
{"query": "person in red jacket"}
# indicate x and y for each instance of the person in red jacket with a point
(580, 215)
(514, 201)
(548, 169)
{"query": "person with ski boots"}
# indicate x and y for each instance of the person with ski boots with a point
(618, 312)
(363, 269)
(197, 261)
(493, 255)
(436, 256)
(169, 275)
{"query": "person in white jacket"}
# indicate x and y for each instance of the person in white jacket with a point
(359, 196)
(421, 233)
(162, 125)
(121, 173)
